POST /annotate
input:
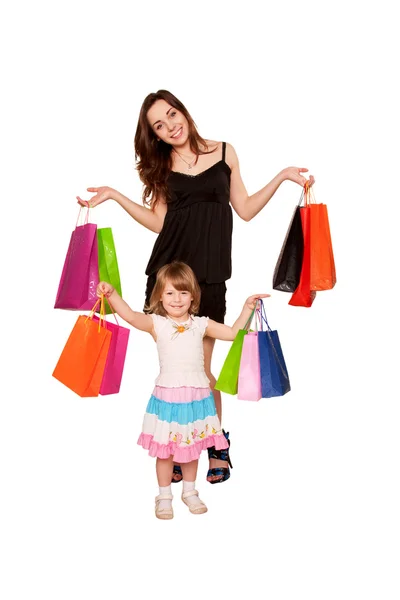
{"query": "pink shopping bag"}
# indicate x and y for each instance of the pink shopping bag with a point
(249, 386)
(115, 363)
(80, 274)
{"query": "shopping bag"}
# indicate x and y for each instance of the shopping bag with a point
(116, 355)
(80, 274)
(322, 263)
(303, 295)
(108, 264)
(273, 371)
(249, 382)
(287, 271)
(83, 359)
(228, 378)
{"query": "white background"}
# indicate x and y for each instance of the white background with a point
(312, 507)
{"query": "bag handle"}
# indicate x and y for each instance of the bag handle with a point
(301, 197)
(249, 320)
(263, 316)
(308, 193)
(112, 310)
(86, 215)
(102, 318)
(86, 218)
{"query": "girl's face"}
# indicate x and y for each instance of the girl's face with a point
(176, 303)
(168, 124)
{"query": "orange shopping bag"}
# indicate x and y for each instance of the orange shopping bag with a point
(303, 295)
(322, 263)
(82, 361)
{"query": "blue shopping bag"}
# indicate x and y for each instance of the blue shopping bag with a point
(273, 371)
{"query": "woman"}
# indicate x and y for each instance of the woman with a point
(190, 185)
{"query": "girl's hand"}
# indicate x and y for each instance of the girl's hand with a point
(252, 300)
(295, 174)
(102, 194)
(104, 288)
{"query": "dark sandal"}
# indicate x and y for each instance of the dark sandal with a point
(223, 473)
(177, 471)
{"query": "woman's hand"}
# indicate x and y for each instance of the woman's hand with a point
(295, 174)
(101, 195)
(104, 288)
(252, 300)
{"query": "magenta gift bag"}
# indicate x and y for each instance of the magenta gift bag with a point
(249, 386)
(114, 368)
(80, 274)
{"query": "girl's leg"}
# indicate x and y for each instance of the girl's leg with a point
(164, 468)
(190, 495)
(164, 500)
(208, 345)
(189, 470)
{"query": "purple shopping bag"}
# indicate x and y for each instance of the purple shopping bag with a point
(80, 274)
(249, 386)
(114, 368)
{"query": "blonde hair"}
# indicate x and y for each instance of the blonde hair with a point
(183, 279)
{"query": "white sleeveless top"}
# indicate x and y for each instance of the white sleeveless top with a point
(181, 355)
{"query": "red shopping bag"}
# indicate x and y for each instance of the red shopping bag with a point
(322, 262)
(303, 295)
(83, 359)
(80, 274)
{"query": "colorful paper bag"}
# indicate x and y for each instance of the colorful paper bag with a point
(115, 362)
(108, 264)
(303, 295)
(83, 359)
(288, 267)
(80, 274)
(273, 371)
(228, 378)
(249, 382)
(322, 262)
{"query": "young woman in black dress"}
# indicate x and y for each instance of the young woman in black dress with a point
(190, 185)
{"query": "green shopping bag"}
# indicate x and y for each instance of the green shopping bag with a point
(108, 264)
(228, 378)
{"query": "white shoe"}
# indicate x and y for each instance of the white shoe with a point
(164, 513)
(195, 509)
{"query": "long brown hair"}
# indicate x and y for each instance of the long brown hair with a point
(153, 157)
(183, 279)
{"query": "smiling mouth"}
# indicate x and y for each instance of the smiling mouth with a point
(177, 134)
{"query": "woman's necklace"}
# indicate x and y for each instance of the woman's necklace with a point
(189, 164)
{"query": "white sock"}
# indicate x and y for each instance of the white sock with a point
(165, 503)
(187, 487)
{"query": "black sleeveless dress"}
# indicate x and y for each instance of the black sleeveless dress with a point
(197, 230)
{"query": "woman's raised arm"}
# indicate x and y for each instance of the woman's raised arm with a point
(247, 206)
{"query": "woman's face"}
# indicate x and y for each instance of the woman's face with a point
(168, 124)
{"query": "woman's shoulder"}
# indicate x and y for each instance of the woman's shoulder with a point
(214, 145)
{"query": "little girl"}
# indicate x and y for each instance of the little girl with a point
(181, 419)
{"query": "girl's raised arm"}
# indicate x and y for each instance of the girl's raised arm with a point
(152, 218)
(136, 319)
